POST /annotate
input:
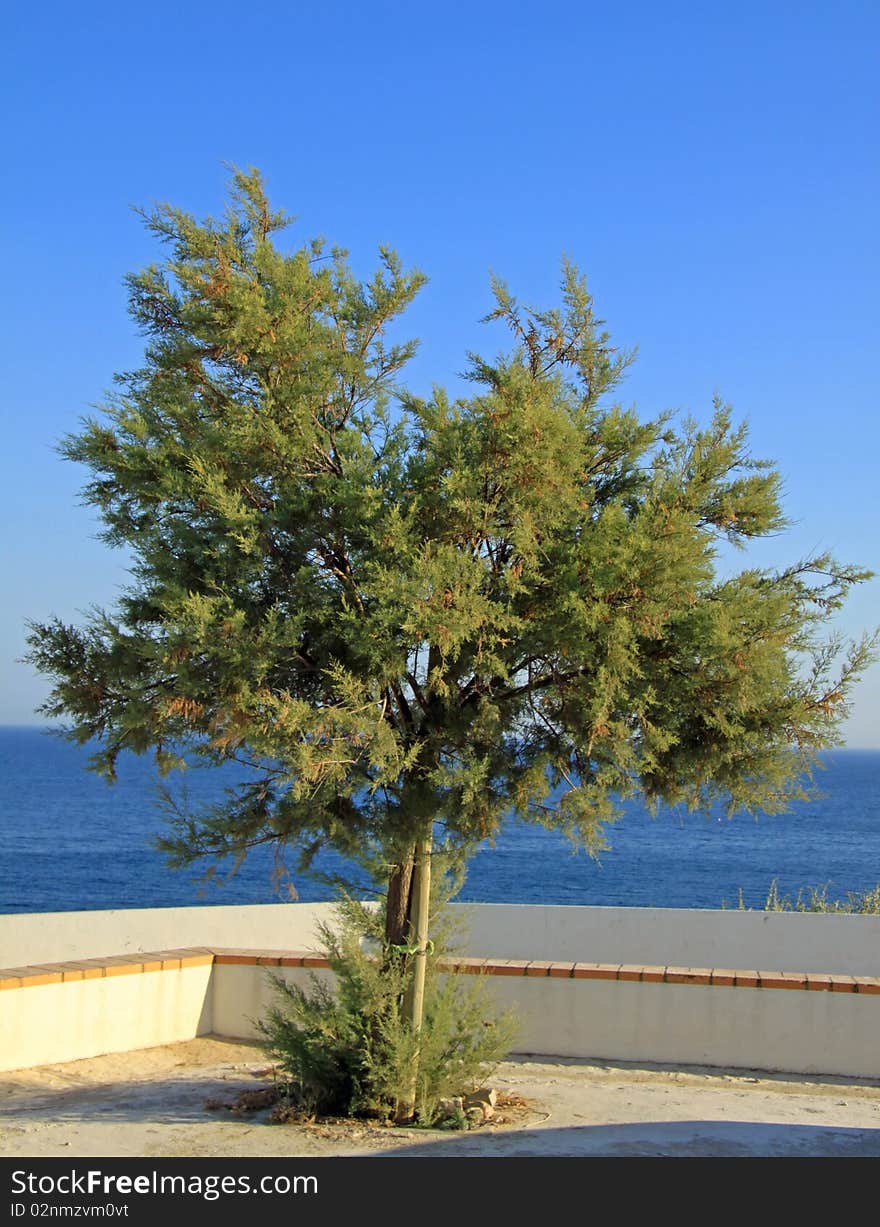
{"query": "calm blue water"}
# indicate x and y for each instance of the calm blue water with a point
(69, 841)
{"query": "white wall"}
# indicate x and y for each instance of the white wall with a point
(241, 995)
(765, 1029)
(741, 1028)
(685, 937)
(771, 941)
(28, 939)
(85, 1018)
(771, 1029)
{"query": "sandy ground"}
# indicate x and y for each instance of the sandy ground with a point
(152, 1103)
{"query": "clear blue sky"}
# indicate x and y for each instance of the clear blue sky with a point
(715, 170)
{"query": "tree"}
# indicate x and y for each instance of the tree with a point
(416, 615)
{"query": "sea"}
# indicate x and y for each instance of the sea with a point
(71, 842)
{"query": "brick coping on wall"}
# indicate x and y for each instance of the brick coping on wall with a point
(202, 956)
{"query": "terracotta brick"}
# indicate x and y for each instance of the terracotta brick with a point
(724, 976)
(123, 966)
(9, 978)
(315, 960)
(471, 967)
(652, 975)
(843, 984)
(674, 975)
(170, 958)
(818, 984)
(629, 971)
(747, 979)
(272, 958)
(539, 967)
(70, 971)
(92, 969)
(196, 960)
(782, 979)
(507, 967)
(867, 984)
(687, 975)
(291, 960)
(182, 950)
(562, 971)
(34, 977)
(230, 957)
(699, 975)
(224, 952)
(67, 971)
(596, 971)
(151, 963)
(164, 957)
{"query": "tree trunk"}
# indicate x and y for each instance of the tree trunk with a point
(398, 904)
(414, 997)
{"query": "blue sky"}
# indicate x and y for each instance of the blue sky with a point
(714, 172)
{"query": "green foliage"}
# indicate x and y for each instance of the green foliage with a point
(400, 610)
(815, 899)
(347, 1050)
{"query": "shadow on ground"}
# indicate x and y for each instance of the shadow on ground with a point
(182, 1102)
(730, 1139)
(173, 1101)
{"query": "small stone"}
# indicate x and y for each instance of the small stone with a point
(475, 1116)
(485, 1099)
(486, 1094)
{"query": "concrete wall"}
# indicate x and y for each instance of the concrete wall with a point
(780, 941)
(759, 1028)
(241, 995)
(687, 937)
(796, 1032)
(40, 937)
(66, 1022)
(763, 1029)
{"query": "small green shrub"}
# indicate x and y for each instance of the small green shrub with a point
(815, 899)
(345, 1050)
